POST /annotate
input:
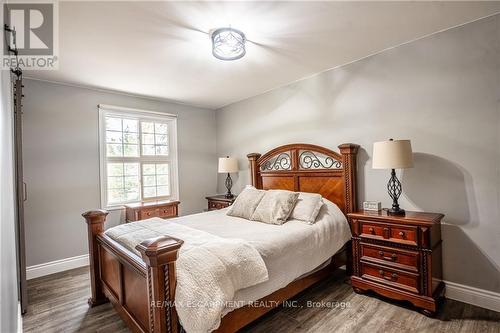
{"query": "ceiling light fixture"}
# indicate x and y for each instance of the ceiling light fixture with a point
(228, 44)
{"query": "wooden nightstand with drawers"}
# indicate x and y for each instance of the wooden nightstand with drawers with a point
(219, 201)
(398, 256)
(146, 210)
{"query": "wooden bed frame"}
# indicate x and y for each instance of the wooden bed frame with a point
(143, 289)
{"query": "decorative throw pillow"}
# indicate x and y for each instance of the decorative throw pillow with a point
(307, 207)
(245, 203)
(275, 206)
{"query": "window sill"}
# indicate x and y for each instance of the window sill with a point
(114, 208)
(152, 201)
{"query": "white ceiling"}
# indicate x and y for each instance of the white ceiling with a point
(162, 49)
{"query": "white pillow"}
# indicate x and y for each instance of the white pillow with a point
(275, 206)
(245, 203)
(307, 207)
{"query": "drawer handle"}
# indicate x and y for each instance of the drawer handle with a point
(148, 214)
(371, 230)
(402, 234)
(393, 256)
(391, 277)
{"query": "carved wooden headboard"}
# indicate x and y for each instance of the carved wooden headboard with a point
(309, 168)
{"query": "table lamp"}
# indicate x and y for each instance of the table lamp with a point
(228, 165)
(393, 154)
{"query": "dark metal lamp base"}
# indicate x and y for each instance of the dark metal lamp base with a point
(229, 184)
(399, 212)
(394, 189)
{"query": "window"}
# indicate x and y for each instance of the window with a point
(138, 155)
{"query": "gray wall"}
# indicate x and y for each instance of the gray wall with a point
(9, 309)
(442, 92)
(61, 162)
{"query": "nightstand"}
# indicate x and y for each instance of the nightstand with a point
(219, 201)
(145, 210)
(398, 256)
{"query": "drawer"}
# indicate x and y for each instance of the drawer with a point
(373, 230)
(391, 277)
(147, 213)
(406, 235)
(403, 259)
(212, 205)
(167, 211)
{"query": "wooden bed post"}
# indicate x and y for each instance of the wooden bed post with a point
(252, 158)
(95, 225)
(349, 152)
(160, 255)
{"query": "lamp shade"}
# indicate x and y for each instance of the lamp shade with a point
(228, 164)
(392, 154)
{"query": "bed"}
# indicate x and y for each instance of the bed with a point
(140, 281)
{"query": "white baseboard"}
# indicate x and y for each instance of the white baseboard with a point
(475, 296)
(19, 318)
(56, 266)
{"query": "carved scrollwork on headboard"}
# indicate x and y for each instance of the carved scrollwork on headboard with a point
(310, 160)
(309, 168)
(282, 161)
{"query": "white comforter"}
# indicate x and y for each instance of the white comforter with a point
(289, 251)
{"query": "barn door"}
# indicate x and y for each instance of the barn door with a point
(21, 194)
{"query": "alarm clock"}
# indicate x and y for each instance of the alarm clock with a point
(372, 205)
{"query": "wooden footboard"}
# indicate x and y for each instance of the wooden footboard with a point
(141, 289)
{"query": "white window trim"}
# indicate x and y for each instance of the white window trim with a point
(105, 110)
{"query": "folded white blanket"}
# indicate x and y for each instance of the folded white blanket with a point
(210, 269)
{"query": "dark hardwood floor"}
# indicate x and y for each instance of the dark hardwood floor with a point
(55, 309)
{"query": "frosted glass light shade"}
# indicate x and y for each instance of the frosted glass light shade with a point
(228, 164)
(396, 154)
(228, 44)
